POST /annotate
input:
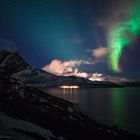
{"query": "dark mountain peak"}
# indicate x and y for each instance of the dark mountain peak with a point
(3, 55)
(11, 62)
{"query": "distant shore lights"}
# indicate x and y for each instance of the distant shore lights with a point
(69, 87)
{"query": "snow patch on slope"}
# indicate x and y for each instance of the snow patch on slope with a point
(25, 126)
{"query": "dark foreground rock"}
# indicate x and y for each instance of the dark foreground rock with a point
(28, 113)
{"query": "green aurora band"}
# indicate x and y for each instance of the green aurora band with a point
(121, 34)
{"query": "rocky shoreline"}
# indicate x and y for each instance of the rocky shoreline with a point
(27, 112)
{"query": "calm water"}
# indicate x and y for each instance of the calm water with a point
(112, 106)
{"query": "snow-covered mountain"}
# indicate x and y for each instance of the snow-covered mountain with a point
(13, 64)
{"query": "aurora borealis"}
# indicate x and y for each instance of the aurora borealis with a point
(123, 33)
(101, 35)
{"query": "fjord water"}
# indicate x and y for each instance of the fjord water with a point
(111, 106)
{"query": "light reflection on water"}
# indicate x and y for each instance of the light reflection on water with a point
(65, 93)
(113, 106)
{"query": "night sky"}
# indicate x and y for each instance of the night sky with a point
(98, 36)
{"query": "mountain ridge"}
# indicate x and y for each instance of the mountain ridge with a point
(13, 64)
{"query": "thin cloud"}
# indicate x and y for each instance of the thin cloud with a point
(100, 52)
(62, 68)
(67, 68)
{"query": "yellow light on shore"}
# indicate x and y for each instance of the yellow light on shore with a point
(72, 86)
